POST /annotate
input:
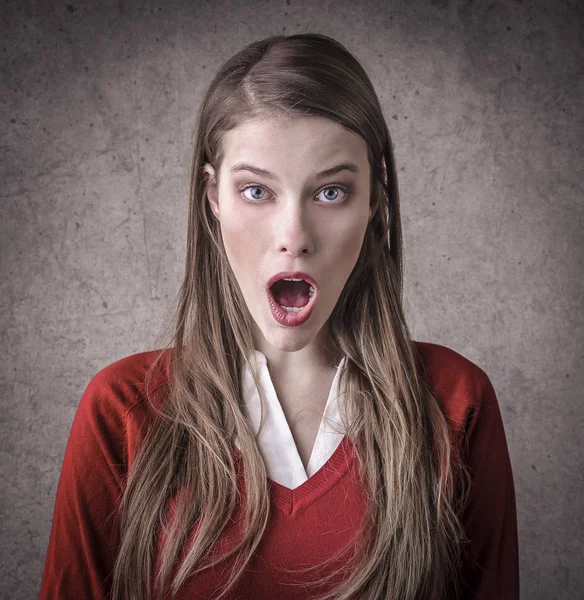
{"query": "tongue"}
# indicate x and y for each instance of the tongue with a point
(291, 293)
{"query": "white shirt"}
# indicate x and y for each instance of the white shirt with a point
(276, 443)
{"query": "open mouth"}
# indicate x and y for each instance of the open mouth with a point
(292, 295)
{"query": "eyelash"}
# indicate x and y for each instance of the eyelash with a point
(347, 190)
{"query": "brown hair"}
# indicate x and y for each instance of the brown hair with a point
(408, 546)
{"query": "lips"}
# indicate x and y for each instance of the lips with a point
(290, 317)
(282, 316)
(292, 275)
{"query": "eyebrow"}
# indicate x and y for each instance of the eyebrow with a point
(346, 166)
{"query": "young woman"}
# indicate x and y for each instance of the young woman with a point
(292, 441)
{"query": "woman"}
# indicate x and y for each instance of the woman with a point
(311, 451)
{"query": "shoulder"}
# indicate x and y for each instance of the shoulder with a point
(460, 386)
(125, 382)
(114, 408)
(446, 367)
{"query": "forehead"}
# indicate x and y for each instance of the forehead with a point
(278, 143)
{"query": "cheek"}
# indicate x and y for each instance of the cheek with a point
(240, 237)
(344, 256)
(349, 244)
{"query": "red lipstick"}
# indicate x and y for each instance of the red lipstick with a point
(291, 319)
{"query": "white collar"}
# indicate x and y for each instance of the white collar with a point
(275, 442)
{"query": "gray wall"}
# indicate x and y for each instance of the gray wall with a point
(484, 102)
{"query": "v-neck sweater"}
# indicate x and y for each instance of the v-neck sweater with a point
(316, 510)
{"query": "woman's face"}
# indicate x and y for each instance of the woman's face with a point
(293, 219)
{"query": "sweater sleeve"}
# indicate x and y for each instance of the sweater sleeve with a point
(491, 563)
(85, 534)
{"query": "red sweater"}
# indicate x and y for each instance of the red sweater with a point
(103, 442)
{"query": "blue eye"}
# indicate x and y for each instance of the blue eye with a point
(252, 186)
(333, 188)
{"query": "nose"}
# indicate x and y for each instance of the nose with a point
(295, 234)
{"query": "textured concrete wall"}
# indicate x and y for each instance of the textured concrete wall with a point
(484, 101)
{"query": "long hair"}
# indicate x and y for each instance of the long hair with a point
(408, 545)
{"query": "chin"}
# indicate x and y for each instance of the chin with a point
(287, 339)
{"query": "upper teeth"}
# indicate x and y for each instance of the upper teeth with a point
(311, 290)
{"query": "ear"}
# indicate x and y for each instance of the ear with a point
(211, 188)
